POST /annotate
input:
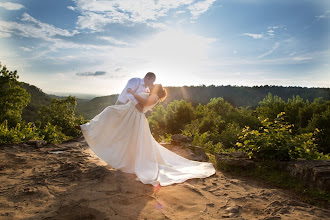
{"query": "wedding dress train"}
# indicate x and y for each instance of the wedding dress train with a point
(120, 135)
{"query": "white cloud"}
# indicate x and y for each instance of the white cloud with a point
(3, 33)
(71, 8)
(30, 27)
(96, 14)
(11, 6)
(26, 49)
(271, 32)
(302, 58)
(324, 16)
(179, 12)
(43, 28)
(255, 36)
(114, 41)
(277, 44)
(200, 7)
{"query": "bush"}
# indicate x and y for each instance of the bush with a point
(53, 134)
(322, 123)
(19, 133)
(178, 115)
(23, 132)
(274, 141)
(157, 121)
(62, 114)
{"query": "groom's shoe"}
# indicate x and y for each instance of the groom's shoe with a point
(77, 127)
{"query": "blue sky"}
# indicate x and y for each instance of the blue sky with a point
(94, 47)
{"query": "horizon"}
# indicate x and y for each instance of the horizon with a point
(91, 96)
(95, 47)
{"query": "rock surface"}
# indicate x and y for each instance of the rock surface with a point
(69, 181)
(315, 173)
(234, 159)
(183, 143)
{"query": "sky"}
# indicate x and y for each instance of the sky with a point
(96, 46)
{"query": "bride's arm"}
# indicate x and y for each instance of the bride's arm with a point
(152, 99)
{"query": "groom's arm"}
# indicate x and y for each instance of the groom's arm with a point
(132, 84)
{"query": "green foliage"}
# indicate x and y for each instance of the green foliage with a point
(157, 121)
(321, 122)
(229, 136)
(270, 106)
(53, 134)
(19, 133)
(178, 114)
(62, 114)
(219, 124)
(13, 98)
(274, 141)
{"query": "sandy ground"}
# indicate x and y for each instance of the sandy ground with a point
(70, 182)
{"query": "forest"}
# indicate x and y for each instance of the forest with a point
(267, 122)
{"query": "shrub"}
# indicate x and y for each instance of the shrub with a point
(19, 133)
(23, 132)
(53, 134)
(274, 141)
(62, 114)
(178, 115)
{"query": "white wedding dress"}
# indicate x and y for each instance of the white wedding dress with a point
(120, 135)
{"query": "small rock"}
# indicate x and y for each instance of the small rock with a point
(197, 153)
(210, 204)
(239, 154)
(36, 143)
(234, 162)
(234, 209)
(178, 139)
(272, 218)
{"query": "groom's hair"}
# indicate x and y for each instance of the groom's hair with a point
(150, 75)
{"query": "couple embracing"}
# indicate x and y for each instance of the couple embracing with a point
(120, 135)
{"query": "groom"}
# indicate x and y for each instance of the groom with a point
(137, 85)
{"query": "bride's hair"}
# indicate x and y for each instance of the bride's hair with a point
(160, 91)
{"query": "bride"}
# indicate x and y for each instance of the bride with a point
(120, 135)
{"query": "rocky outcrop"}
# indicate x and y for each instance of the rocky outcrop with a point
(316, 173)
(182, 145)
(179, 139)
(234, 160)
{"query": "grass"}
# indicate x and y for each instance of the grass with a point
(268, 172)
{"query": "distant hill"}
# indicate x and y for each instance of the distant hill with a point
(242, 96)
(89, 109)
(237, 95)
(38, 99)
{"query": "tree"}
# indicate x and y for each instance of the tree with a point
(13, 98)
(271, 106)
(62, 114)
(179, 114)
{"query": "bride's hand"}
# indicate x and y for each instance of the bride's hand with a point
(130, 91)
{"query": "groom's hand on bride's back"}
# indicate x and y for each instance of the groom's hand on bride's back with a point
(139, 107)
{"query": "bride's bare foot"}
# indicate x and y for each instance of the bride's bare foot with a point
(77, 127)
